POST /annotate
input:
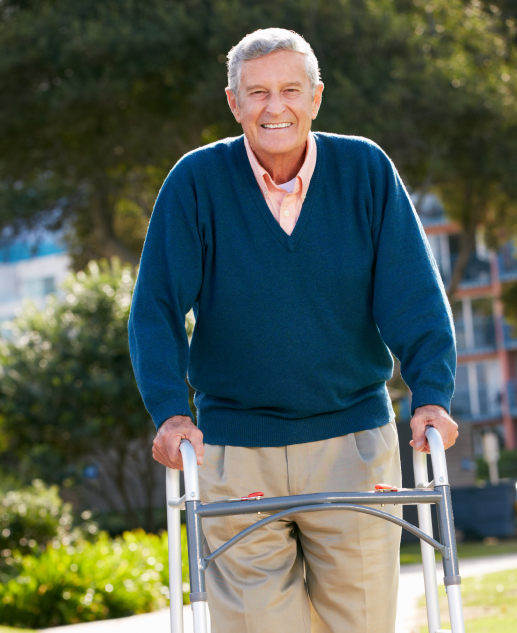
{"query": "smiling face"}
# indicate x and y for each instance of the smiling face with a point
(275, 105)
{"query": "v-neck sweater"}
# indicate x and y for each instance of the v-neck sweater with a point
(293, 333)
(285, 201)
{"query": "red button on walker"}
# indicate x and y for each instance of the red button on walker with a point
(385, 488)
(253, 495)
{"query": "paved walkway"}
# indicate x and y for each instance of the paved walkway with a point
(410, 591)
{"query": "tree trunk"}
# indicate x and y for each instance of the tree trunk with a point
(467, 246)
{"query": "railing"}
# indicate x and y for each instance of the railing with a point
(510, 335)
(476, 273)
(483, 405)
(484, 332)
(507, 262)
(512, 396)
(484, 335)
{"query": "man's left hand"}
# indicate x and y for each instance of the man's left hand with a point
(432, 415)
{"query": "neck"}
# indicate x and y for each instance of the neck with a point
(282, 167)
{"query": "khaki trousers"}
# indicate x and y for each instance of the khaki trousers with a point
(320, 572)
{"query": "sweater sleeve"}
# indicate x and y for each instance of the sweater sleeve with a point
(410, 306)
(168, 283)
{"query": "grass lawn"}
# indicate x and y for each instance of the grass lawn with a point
(410, 552)
(9, 629)
(489, 603)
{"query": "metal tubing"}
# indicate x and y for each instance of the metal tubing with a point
(428, 560)
(447, 536)
(195, 549)
(199, 614)
(194, 537)
(455, 608)
(276, 504)
(189, 458)
(452, 577)
(172, 482)
(316, 508)
(441, 478)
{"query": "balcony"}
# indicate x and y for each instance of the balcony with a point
(431, 211)
(507, 262)
(510, 335)
(476, 273)
(477, 339)
(483, 404)
(512, 397)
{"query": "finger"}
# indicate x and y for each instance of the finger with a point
(162, 456)
(421, 449)
(419, 441)
(195, 437)
(171, 447)
(453, 435)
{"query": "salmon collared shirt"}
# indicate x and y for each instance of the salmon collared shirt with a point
(285, 200)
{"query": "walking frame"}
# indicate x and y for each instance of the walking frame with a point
(423, 495)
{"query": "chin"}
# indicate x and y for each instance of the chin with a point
(279, 147)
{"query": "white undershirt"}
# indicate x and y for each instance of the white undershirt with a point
(289, 186)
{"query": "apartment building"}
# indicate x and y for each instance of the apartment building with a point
(486, 379)
(32, 266)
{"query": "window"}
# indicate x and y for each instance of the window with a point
(40, 287)
(478, 390)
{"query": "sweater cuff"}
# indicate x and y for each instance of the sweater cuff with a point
(429, 395)
(174, 406)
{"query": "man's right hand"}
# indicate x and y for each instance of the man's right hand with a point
(166, 445)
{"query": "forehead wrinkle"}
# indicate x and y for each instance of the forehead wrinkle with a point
(287, 83)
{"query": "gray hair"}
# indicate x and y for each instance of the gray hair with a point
(266, 41)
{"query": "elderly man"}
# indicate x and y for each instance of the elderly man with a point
(305, 263)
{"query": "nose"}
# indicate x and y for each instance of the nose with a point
(275, 104)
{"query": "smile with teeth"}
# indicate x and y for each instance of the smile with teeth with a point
(274, 126)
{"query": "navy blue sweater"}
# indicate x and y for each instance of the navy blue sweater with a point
(293, 332)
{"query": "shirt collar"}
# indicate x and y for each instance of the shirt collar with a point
(305, 173)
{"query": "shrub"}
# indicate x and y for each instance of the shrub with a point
(507, 465)
(89, 581)
(29, 519)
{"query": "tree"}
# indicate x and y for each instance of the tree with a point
(68, 395)
(100, 99)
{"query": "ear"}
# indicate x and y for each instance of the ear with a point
(317, 100)
(232, 102)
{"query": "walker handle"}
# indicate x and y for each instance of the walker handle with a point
(441, 478)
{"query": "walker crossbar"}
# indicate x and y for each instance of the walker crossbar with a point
(281, 507)
(316, 508)
(275, 504)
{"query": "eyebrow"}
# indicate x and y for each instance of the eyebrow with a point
(290, 83)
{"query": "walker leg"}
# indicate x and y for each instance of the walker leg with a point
(198, 596)
(174, 537)
(452, 578)
(428, 559)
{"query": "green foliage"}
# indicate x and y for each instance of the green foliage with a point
(66, 373)
(99, 100)
(489, 603)
(30, 518)
(410, 553)
(507, 465)
(67, 388)
(89, 581)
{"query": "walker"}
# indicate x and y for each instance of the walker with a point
(425, 494)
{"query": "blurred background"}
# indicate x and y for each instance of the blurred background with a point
(98, 100)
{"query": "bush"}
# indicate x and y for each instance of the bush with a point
(89, 581)
(29, 519)
(507, 465)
